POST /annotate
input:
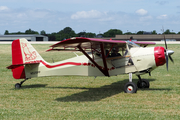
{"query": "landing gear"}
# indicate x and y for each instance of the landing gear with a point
(18, 85)
(130, 87)
(142, 83)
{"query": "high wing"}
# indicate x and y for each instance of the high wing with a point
(94, 45)
(144, 44)
(85, 43)
(90, 43)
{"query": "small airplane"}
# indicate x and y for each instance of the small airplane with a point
(100, 58)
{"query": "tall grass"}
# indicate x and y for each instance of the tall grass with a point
(76, 97)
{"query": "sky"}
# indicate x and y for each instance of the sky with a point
(96, 16)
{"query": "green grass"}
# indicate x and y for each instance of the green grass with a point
(76, 97)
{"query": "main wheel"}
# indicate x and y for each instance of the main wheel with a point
(130, 87)
(143, 83)
(17, 85)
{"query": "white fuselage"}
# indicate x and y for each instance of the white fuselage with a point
(143, 59)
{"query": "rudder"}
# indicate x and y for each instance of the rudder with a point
(18, 73)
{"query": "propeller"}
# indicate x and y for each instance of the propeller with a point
(167, 53)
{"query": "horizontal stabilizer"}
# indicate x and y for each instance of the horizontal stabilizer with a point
(18, 65)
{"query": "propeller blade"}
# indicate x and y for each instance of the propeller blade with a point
(167, 52)
(165, 42)
(166, 55)
(171, 59)
(170, 52)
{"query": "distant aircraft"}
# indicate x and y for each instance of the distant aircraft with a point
(101, 58)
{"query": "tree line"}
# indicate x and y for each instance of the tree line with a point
(68, 32)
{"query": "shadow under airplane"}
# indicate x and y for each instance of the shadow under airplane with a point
(96, 94)
(91, 94)
(32, 86)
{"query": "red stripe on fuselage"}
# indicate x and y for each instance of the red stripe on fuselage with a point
(62, 64)
(66, 63)
(53, 66)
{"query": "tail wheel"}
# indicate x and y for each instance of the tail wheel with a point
(130, 87)
(143, 83)
(17, 85)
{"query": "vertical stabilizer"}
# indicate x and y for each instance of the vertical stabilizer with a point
(22, 53)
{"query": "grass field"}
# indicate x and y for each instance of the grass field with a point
(76, 97)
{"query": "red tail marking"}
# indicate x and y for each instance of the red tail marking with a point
(28, 54)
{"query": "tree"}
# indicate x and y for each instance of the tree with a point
(43, 32)
(154, 32)
(67, 30)
(52, 37)
(6, 32)
(31, 32)
(82, 34)
(167, 32)
(128, 33)
(66, 33)
(112, 33)
(90, 35)
(140, 32)
(18, 33)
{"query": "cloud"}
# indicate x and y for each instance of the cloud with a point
(162, 17)
(4, 8)
(141, 12)
(86, 14)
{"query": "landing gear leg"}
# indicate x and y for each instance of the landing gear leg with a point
(142, 83)
(130, 87)
(18, 85)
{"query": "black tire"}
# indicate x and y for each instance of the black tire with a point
(143, 84)
(130, 87)
(17, 85)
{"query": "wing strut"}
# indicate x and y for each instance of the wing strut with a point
(105, 70)
(104, 60)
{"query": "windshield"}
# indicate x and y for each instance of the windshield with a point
(132, 45)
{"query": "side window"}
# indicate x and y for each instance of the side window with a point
(132, 45)
(115, 52)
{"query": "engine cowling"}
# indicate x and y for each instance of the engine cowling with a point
(159, 54)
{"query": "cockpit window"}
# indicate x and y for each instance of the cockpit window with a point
(132, 45)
